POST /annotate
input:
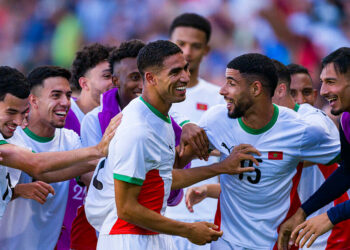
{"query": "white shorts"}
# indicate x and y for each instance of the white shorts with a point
(222, 244)
(135, 241)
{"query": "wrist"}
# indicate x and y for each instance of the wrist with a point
(300, 213)
(98, 152)
(185, 230)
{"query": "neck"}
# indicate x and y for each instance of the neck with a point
(122, 102)
(193, 78)
(39, 128)
(86, 103)
(288, 102)
(258, 116)
(156, 101)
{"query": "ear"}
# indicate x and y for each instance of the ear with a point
(115, 81)
(83, 82)
(256, 88)
(151, 78)
(281, 90)
(33, 101)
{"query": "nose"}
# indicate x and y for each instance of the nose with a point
(65, 101)
(185, 77)
(324, 90)
(18, 119)
(299, 98)
(223, 90)
(140, 84)
(186, 49)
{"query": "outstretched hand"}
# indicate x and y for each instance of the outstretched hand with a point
(195, 195)
(311, 230)
(37, 191)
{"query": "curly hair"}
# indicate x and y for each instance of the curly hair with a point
(86, 59)
(129, 49)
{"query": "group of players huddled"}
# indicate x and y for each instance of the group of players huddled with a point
(269, 170)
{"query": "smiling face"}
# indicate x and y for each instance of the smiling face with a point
(173, 79)
(99, 80)
(52, 101)
(301, 89)
(236, 94)
(336, 89)
(128, 79)
(12, 113)
(193, 44)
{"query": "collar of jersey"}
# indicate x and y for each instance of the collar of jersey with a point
(296, 107)
(36, 137)
(263, 129)
(156, 112)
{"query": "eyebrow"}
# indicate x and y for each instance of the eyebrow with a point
(60, 91)
(106, 70)
(329, 78)
(231, 78)
(175, 70)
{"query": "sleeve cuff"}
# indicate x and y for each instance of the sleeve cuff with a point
(128, 179)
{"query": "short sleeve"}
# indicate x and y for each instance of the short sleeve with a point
(319, 146)
(90, 130)
(203, 123)
(132, 154)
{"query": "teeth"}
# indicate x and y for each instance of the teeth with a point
(181, 88)
(61, 113)
(229, 101)
(332, 99)
(137, 94)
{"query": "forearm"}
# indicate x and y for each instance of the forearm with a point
(68, 172)
(151, 220)
(187, 177)
(339, 213)
(213, 190)
(332, 188)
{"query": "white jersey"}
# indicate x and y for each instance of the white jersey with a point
(198, 99)
(9, 177)
(142, 152)
(76, 110)
(253, 205)
(28, 224)
(313, 177)
(91, 133)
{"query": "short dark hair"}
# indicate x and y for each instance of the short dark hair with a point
(254, 67)
(154, 54)
(297, 69)
(194, 21)
(37, 76)
(13, 82)
(129, 49)
(86, 59)
(340, 58)
(282, 73)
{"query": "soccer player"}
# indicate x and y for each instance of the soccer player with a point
(301, 87)
(336, 89)
(253, 205)
(50, 102)
(191, 32)
(135, 183)
(90, 75)
(14, 92)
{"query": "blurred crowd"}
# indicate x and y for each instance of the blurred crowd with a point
(37, 32)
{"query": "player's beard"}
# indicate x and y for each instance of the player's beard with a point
(240, 109)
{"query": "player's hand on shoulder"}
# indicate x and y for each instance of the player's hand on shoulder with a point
(109, 133)
(284, 240)
(37, 191)
(232, 164)
(196, 137)
(203, 232)
(195, 195)
(311, 229)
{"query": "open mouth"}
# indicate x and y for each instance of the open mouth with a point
(61, 114)
(12, 128)
(332, 100)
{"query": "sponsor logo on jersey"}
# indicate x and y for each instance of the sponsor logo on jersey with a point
(275, 155)
(202, 106)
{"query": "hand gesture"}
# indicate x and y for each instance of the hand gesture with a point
(37, 191)
(284, 240)
(311, 229)
(196, 138)
(195, 195)
(232, 164)
(203, 232)
(109, 133)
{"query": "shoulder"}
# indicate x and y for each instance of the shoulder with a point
(68, 134)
